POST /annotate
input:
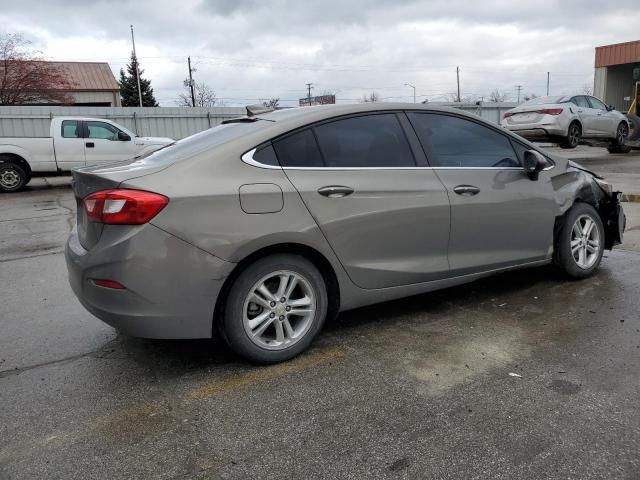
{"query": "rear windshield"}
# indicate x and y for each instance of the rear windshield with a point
(546, 100)
(190, 146)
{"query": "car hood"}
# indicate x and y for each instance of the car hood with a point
(153, 140)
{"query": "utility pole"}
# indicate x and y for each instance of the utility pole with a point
(133, 41)
(547, 84)
(309, 87)
(191, 70)
(519, 88)
(414, 91)
(458, 78)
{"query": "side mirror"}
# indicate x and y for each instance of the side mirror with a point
(123, 137)
(534, 163)
(610, 107)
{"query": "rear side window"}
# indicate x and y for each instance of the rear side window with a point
(458, 142)
(70, 129)
(365, 141)
(581, 102)
(298, 150)
(266, 155)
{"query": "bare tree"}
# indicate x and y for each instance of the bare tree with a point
(497, 96)
(587, 89)
(453, 97)
(272, 103)
(372, 97)
(25, 77)
(204, 94)
(530, 96)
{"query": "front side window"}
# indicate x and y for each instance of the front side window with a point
(101, 130)
(298, 150)
(597, 104)
(458, 142)
(369, 141)
(71, 129)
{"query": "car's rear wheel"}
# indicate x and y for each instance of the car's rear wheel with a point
(574, 133)
(12, 177)
(617, 144)
(275, 308)
(579, 244)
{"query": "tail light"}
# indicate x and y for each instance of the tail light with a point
(123, 207)
(507, 114)
(551, 111)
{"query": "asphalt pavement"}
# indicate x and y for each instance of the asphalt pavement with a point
(523, 375)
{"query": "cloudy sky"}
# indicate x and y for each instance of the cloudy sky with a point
(249, 50)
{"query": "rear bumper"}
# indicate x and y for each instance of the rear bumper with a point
(171, 286)
(537, 132)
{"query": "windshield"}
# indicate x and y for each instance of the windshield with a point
(547, 100)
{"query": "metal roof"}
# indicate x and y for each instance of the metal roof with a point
(89, 75)
(619, 53)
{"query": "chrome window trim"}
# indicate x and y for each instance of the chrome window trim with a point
(249, 160)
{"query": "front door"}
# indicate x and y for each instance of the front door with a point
(499, 217)
(386, 219)
(606, 122)
(69, 146)
(103, 144)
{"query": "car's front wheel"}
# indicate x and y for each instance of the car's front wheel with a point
(617, 144)
(579, 244)
(275, 308)
(574, 133)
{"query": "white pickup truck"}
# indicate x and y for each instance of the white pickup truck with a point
(73, 142)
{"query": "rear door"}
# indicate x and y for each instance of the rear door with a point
(588, 115)
(103, 145)
(69, 145)
(385, 216)
(499, 217)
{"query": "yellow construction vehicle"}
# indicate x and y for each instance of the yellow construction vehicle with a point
(633, 139)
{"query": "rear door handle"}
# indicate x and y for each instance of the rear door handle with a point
(466, 190)
(90, 144)
(335, 191)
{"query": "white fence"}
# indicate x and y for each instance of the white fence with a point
(174, 122)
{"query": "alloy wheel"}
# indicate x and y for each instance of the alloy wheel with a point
(279, 310)
(621, 134)
(574, 135)
(585, 242)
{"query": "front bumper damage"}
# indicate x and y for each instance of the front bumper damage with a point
(613, 218)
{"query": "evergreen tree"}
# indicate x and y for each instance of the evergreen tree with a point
(129, 87)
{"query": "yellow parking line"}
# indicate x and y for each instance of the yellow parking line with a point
(261, 374)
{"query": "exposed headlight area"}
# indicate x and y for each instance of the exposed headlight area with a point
(604, 185)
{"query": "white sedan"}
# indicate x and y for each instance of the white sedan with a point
(567, 119)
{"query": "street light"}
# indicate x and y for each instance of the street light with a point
(414, 91)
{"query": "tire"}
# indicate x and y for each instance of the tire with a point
(570, 263)
(12, 177)
(616, 145)
(284, 334)
(574, 133)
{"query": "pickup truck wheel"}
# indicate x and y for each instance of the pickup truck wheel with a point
(12, 177)
(579, 244)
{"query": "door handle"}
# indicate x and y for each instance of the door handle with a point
(335, 191)
(579, 111)
(466, 190)
(90, 144)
